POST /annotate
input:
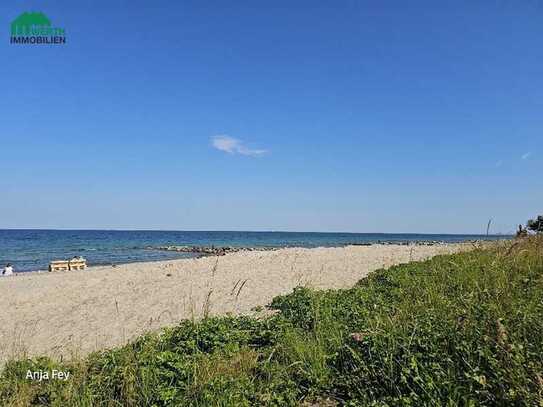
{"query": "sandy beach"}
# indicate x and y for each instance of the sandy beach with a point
(73, 313)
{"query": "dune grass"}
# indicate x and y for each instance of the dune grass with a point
(463, 329)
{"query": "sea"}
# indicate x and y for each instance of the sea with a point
(32, 250)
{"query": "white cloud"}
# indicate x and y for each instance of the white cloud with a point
(525, 156)
(232, 145)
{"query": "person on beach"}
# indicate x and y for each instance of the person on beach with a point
(8, 270)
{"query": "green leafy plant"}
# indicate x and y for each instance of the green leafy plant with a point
(535, 225)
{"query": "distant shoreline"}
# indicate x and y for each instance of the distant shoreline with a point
(192, 251)
(248, 231)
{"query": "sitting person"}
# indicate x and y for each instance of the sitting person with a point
(8, 270)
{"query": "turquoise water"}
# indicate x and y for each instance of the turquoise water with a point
(30, 250)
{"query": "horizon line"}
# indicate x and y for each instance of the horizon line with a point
(250, 231)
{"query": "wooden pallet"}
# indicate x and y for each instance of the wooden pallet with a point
(65, 265)
(78, 264)
(59, 265)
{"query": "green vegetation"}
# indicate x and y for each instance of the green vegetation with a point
(535, 225)
(464, 329)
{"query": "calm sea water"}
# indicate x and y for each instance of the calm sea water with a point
(30, 250)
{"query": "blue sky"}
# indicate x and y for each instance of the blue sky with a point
(371, 116)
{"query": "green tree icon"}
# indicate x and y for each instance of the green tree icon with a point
(24, 24)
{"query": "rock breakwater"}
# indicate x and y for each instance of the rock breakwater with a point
(210, 250)
(223, 250)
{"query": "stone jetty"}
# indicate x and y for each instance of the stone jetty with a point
(210, 250)
(223, 250)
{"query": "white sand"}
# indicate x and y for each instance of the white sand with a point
(73, 313)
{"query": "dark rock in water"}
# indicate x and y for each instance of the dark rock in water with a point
(208, 251)
(223, 250)
(399, 242)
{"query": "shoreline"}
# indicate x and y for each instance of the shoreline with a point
(69, 313)
(212, 251)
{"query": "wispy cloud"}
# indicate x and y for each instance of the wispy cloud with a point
(525, 156)
(232, 145)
